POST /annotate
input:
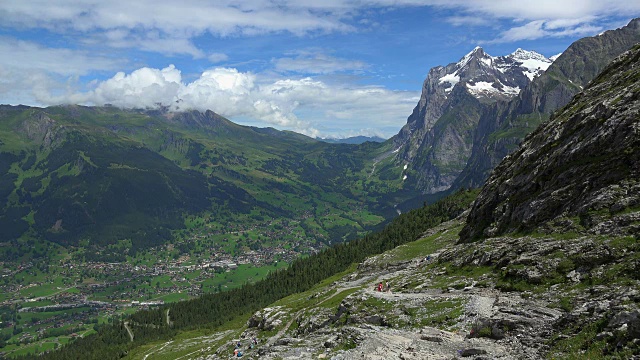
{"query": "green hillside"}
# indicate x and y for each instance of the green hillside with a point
(74, 174)
(105, 208)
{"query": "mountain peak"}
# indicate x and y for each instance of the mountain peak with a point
(534, 63)
(548, 179)
(476, 50)
(476, 53)
(521, 54)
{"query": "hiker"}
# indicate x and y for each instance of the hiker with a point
(380, 287)
(388, 287)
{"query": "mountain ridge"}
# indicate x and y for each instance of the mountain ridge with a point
(600, 123)
(504, 125)
(437, 140)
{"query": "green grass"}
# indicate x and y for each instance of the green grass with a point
(245, 273)
(422, 247)
(42, 290)
(173, 297)
(36, 303)
(580, 345)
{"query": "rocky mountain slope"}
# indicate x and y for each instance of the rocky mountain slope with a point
(437, 140)
(545, 264)
(504, 125)
(579, 169)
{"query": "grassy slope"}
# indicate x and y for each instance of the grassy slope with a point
(97, 172)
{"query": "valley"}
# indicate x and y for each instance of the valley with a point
(88, 229)
(37, 295)
(149, 233)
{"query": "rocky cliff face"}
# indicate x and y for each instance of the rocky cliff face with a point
(438, 137)
(502, 126)
(581, 167)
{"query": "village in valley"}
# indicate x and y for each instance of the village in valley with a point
(45, 304)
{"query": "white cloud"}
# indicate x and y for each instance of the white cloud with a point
(169, 27)
(305, 105)
(217, 57)
(541, 9)
(316, 63)
(468, 21)
(541, 19)
(24, 55)
(151, 41)
(31, 73)
(142, 88)
(184, 19)
(541, 29)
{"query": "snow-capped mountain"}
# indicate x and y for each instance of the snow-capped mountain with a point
(486, 76)
(437, 139)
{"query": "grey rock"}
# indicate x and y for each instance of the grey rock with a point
(503, 127)
(438, 138)
(628, 322)
(472, 352)
(603, 335)
(548, 178)
(431, 338)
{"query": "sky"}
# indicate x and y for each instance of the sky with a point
(327, 68)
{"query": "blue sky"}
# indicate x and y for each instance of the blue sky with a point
(323, 68)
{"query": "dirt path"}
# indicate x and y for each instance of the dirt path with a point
(126, 326)
(156, 349)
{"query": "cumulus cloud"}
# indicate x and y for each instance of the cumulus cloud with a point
(305, 105)
(144, 87)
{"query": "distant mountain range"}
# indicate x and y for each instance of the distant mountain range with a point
(353, 140)
(474, 112)
(71, 172)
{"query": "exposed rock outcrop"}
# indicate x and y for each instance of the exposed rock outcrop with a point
(581, 163)
(503, 126)
(438, 137)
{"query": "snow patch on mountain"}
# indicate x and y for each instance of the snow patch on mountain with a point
(481, 86)
(486, 76)
(554, 57)
(486, 89)
(452, 79)
(532, 61)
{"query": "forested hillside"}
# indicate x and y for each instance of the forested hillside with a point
(75, 173)
(210, 311)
